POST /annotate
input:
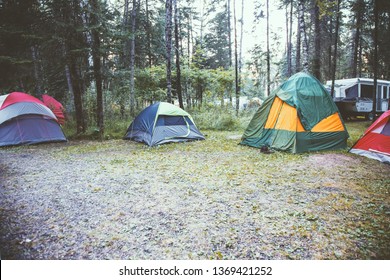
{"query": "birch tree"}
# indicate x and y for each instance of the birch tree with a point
(268, 53)
(177, 52)
(132, 57)
(168, 45)
(236, 60)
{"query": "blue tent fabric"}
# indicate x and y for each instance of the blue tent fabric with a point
(143, 123)
(163, 123)
(26, 120)
(30, 129)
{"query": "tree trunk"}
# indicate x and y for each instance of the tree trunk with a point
(240, 55)
(229, 28)
(287, 32)
(329, 74)
(375, 63)
(359, 8)
(334, 63)
(236, 60)
(97, 66)
(230, 43)
(317, 42)
(289, 47)
(168, 45)
(178, 73)
(37, 72)
(302, 31)
(268, 54)
(187, 83)
(126, 45)
(356, 41)
(148, 31)
(132, 58)
(360, 61)
(78, 102)
(241, 38)
(298, 50)
(70, 103)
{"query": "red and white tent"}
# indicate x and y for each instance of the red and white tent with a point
(56, 107)
(375, 142)
(26, 120)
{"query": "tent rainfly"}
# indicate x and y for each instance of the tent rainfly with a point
(299, 116)
(25, 119)
(375, 142)
(162, 123)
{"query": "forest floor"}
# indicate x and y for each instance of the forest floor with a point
(211, 199)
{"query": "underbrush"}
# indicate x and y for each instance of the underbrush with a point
(221, 118)
(115, 128)
(211, 118)
(206, 118)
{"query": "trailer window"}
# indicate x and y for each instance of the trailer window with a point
(367, 91)
(351, 92)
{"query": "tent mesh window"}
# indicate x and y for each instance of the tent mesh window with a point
(170, 120)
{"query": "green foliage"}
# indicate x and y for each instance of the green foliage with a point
(221, 118)
(218, 46)
(327, 8)
(223, 81)
(215, 118)
(151, 83)
(114, 129)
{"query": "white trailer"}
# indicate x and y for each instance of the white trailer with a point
(354, 97)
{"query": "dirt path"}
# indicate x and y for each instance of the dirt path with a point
(211, 199)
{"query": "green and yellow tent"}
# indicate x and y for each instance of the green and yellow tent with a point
(299, 116)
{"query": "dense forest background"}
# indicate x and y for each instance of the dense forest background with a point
(107, 60)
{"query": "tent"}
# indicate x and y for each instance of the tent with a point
(163, 123)
(375, 142)
(299, 116)
(25, 119)
(56, 107)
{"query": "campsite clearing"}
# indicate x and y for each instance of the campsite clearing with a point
(210, 199)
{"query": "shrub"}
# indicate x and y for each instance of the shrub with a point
(220, 118)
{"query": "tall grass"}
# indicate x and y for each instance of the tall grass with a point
(221, 118)
(356, 129)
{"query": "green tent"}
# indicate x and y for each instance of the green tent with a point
(299, 116)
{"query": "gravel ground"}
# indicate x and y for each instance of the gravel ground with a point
(210, 199)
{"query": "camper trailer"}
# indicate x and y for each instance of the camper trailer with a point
(354, 97)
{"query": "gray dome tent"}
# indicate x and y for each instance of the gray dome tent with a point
(162, 123)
